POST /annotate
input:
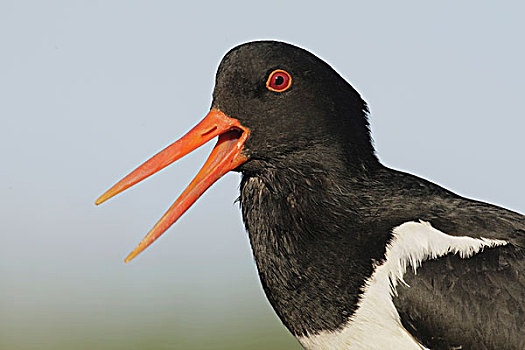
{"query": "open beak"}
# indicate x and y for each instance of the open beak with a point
(227, 155)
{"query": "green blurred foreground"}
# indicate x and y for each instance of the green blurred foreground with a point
(266, 336)
(257, 330)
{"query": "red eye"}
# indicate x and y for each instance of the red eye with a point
(279, 81)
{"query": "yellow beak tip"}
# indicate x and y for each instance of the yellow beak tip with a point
(130, 257)
(102, 199)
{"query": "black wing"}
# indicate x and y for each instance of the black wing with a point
(454, 303)
(473, 303)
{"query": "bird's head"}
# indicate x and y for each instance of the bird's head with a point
(274, 105)
(292, 102)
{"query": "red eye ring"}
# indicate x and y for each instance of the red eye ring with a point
(279, 80)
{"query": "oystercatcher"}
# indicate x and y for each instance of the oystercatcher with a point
(351, 254)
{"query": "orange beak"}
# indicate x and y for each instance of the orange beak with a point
(227, 155)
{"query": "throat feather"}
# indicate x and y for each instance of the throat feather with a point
(298, 234)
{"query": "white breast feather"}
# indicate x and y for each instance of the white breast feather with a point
(376, 323)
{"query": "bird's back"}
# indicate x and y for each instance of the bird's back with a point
(453, 302)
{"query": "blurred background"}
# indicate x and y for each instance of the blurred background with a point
(91, 89)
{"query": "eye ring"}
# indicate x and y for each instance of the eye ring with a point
(279, 81)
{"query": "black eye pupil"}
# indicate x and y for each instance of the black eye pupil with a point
(279, 80)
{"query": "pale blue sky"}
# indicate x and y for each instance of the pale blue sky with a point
(90, 89)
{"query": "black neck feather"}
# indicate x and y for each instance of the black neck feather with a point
(313, 245)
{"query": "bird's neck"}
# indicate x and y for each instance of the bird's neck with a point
(311, 244)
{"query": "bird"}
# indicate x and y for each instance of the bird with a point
(351, 254)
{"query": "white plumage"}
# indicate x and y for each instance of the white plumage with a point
(376, 323)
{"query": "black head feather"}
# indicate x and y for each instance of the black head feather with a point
(320, 114)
